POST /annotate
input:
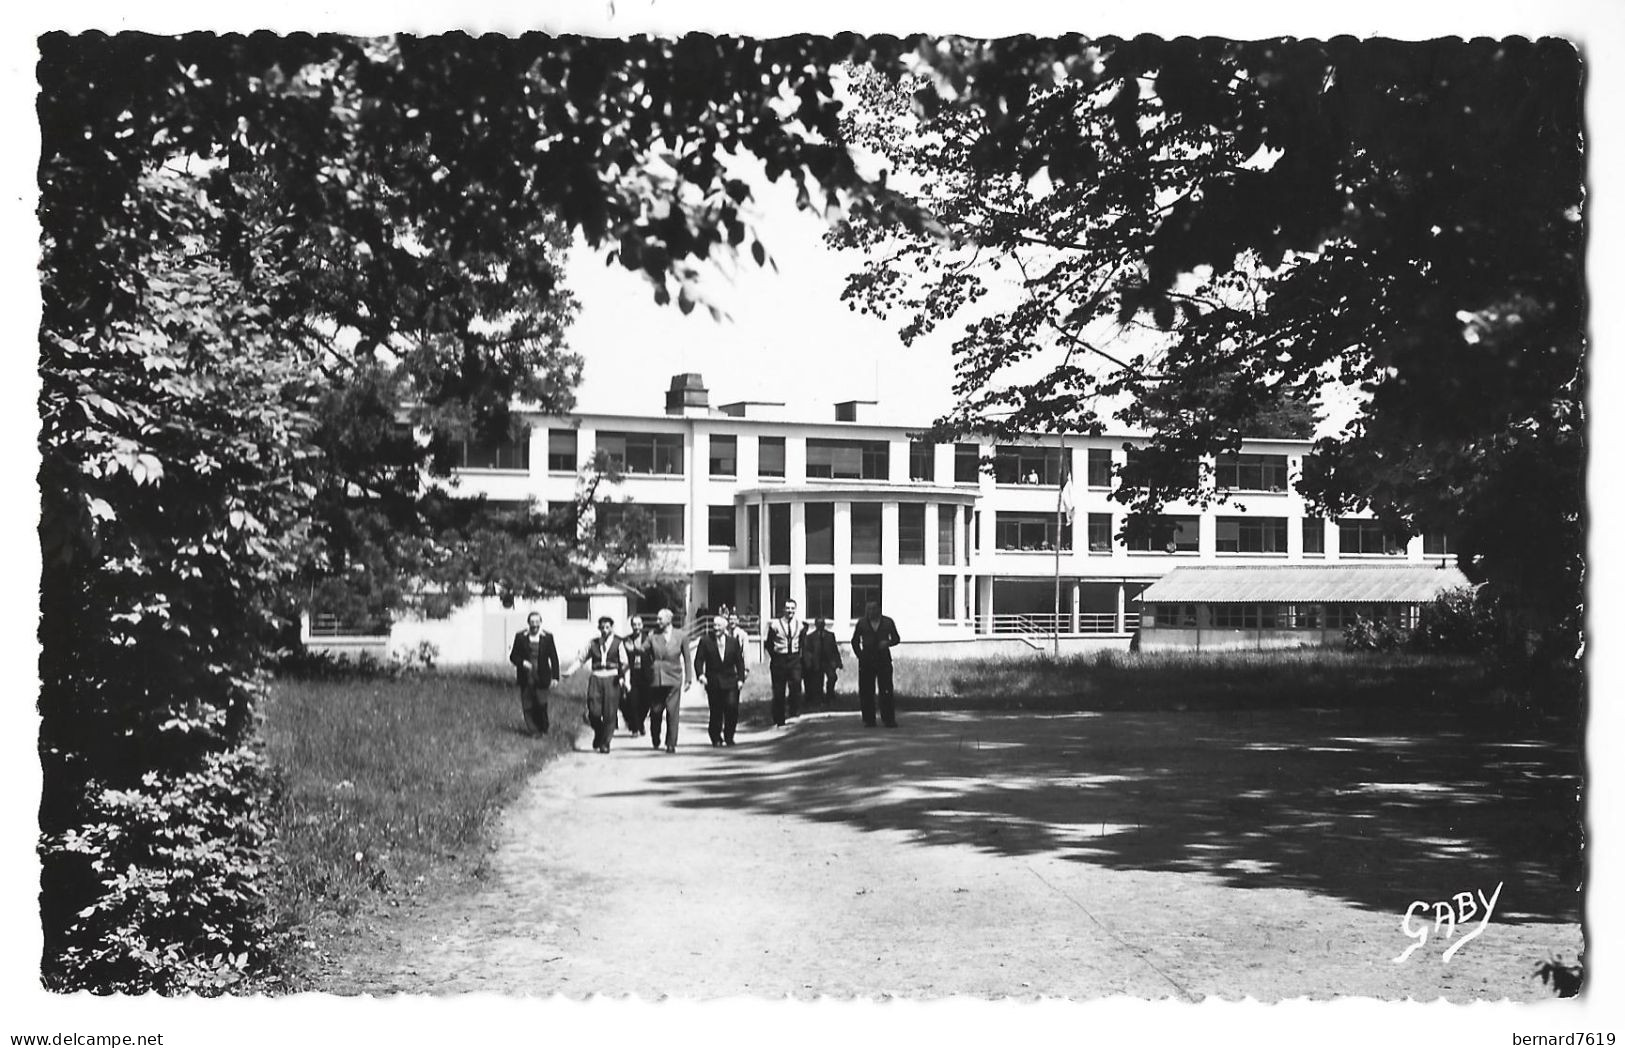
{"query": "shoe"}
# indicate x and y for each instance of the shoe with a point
(716, 742)
(870, 724)
(671, 747)
(727, 742)
(892, 724)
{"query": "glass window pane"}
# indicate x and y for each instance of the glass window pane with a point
(770, 457)
(720, 531)
(778, 534)
(820, 532)
(911, 533)
(866, 533)
(724, 456)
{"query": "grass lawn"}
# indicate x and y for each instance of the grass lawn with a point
(390, 784)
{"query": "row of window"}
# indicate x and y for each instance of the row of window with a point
(1275, 616)
(662, 454)
(1032, 532)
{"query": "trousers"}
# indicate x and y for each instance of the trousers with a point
(724, 704)
(664, 702)
(533, 704)
(786, 670)
(873, 679)
(603, 699)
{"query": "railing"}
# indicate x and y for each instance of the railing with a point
(749, 623)
(1038, 625)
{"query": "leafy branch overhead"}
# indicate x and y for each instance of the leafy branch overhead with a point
(1188, 236)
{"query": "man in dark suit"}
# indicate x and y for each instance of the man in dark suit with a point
(820, 661)
(872, 643)
(719, 664)
(536, 660)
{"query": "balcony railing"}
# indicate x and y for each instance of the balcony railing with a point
(1043, 624)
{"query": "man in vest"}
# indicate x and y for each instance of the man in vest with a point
(605, 654)
(536, 660)
(872, 643)
(635, 703)
(670, 671)
(820, 659)
(719, 663)
(785, 636)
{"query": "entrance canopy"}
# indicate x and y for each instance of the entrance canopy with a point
(1304, 583)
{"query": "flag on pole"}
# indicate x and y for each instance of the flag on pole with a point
(1068, 504)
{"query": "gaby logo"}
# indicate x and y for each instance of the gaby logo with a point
(1448, 915)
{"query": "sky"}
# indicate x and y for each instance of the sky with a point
(787, 337)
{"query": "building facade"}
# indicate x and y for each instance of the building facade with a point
(750, 507)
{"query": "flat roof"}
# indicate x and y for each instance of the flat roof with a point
(1406, 583)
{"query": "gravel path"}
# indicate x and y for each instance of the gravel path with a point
(824, 859)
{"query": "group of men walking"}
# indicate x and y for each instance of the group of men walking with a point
(642, 676)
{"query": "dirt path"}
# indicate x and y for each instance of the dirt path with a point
(937, 859)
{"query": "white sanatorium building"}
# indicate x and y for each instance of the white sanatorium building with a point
(752, 508)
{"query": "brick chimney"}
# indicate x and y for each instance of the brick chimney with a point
(688, 395)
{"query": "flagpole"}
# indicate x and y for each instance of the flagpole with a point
(1060, 496)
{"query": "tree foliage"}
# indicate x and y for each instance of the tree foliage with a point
(1264, 218)
(259, 255)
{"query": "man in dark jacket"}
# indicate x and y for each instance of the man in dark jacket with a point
(719, 664)
(635, 703)
(536, 660)
(872, 643)
(820, 662)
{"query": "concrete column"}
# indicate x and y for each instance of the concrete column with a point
(1121, 605)
(1077, 594)
(764, 592)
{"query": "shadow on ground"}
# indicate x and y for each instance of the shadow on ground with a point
(1376, 806)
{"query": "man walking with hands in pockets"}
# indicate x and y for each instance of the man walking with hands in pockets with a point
(872, 643)
(536, 659)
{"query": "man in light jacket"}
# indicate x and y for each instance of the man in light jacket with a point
(670, 671)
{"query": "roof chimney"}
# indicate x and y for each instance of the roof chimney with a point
(688, 395)
(847, 410)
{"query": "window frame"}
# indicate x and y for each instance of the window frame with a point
(762, 444)
(861, 588)
(662, 449)
(731, 459)
(1238, 472)
(922, 461)
(1173, 523)
(971, 454)
(807, 529)
(555, 457)
(879, 532)
(1250, 535)
(873, 459)
(911, 533)
(712, 519)
(1030, 532)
